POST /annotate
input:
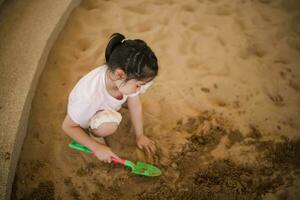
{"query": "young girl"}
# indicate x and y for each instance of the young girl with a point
(130, 69)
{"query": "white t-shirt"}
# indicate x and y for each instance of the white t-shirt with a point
(90, 95)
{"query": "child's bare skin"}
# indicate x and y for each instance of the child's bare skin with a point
(127, 70)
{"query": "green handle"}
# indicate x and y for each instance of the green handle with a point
(77, 146)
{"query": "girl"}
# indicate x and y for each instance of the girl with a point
(93, 103)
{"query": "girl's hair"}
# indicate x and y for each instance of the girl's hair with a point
(134, 57)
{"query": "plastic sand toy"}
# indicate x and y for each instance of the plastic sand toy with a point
(138, 168)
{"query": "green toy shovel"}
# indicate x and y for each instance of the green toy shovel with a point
(138, 168)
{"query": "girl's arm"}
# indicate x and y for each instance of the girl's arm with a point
(135, 110)
(72, 129)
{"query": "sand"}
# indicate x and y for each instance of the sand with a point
(224, 110)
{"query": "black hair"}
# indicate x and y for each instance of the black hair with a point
(134, 57)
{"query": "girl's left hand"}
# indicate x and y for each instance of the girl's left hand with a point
(144, 142)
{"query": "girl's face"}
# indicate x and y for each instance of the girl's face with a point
(127, 87)
(130, 87)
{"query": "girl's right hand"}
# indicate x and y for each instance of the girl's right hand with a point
(104, 154)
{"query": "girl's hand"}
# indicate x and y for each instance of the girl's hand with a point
(144, 142)
(104, 154)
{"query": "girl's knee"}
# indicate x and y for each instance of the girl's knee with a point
(105, 129)
(105, 122)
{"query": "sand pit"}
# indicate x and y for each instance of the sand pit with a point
(224, 110)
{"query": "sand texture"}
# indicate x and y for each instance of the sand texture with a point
(224, 110)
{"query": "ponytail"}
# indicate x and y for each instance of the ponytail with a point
(134, 57)
(115, 40)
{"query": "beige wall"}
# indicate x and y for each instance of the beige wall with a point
(28, 30)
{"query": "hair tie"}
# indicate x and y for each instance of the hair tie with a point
(124, 40)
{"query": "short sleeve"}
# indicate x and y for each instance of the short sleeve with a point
(143, 89)
(80, 112)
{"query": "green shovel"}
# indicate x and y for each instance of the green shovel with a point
(138, 168)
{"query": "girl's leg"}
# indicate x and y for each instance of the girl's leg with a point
(104, 123)
(105, 129)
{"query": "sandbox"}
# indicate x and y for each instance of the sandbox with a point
(224, 110)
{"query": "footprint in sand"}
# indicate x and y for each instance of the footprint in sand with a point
(265, 16)
(218, 102)
(252, 49)
(294, 84)
(84, 43)
(77, 55)
(286, 75)
(276, 99)
(90, 5)
(281, 60)
(221, 40)
(188, 8)
(241, 23)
